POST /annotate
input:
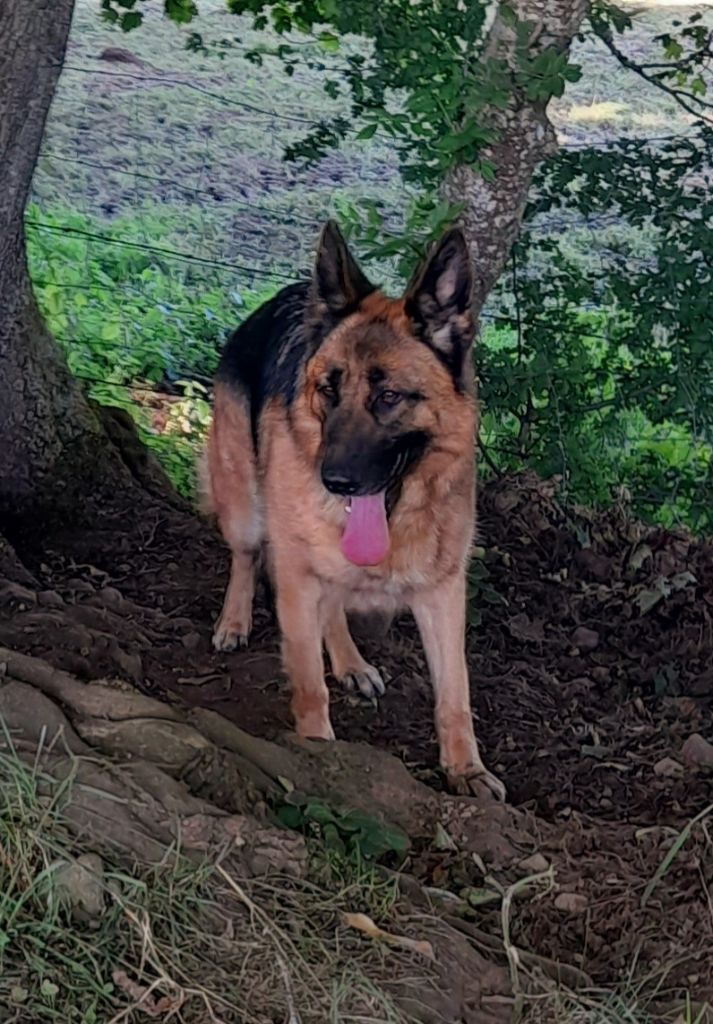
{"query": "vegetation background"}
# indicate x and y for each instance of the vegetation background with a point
(164, 211)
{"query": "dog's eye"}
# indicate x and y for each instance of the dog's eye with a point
(390, 398)
(328, 390)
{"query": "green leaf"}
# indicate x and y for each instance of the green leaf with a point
(329, 42)
(291, 817)
(332, 839)
(673, 50)
(48, 989)
(368, 132)
(111, 331)
(319, 813)
(131, 20)
(508, 15)
(180, 11)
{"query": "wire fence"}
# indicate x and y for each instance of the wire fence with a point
(164, 212)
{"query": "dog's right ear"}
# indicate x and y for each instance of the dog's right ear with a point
(338, 283)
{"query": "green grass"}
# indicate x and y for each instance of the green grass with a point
(213, 947)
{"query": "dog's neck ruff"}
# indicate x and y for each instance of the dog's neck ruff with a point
(365, 540)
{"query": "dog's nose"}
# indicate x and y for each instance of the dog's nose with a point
(339, 482)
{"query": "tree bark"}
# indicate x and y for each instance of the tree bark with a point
(525, 136)
(54, 448)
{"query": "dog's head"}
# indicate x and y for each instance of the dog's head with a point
(384, 375)
(384, 369)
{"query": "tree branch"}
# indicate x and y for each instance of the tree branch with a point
(524, 135)
(688, 101)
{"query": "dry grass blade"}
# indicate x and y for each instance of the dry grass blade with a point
(280, 940)
(673, 853)
(546, 878)
(363, 923)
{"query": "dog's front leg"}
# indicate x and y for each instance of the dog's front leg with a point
(440, 615)
(298, 611)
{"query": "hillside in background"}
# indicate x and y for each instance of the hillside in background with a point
(164, 211)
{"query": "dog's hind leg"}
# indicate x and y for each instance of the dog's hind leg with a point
(232, 494)
(348, 666)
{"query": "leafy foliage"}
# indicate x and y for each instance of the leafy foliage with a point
(424, 83)
(130, 328)
(127, 14)
(353, 834)
(626, 385)
(594, 354)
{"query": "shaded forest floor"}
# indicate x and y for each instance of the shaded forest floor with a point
(591, 657)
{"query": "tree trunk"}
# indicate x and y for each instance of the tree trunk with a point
(54, 449)
(525, 136)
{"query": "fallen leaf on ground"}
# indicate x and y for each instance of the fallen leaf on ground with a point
(521, 627)
(585, 639)
(363, 923)
(534, 865)
(667, 768)
(143, 998)
(571, 902)
(697, 751)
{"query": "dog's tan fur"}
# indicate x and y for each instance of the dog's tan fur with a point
(280, 497)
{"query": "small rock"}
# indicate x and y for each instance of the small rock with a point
(191, 640)
(585, 639)
(667, 768)
(81, 883)
(79, 586)
(521, 627)
(599, 567)
(571, 902)
(118, 55)
(697, 751)
(112, 598)
(534, 864)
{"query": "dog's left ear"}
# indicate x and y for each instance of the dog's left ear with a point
(338, 282)
(438, 300)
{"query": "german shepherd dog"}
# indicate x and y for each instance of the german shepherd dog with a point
(343, 436)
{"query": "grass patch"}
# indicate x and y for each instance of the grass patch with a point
(598, 113)
(178, 938)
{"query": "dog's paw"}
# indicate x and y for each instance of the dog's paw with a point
(477, 781)
(367, 681)
(226, 639)
(314, 726)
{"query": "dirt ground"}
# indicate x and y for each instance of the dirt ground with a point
(591, 656)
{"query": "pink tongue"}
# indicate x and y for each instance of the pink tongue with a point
(365, 540)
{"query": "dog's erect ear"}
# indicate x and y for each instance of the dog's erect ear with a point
(438, 300)
(339, 283)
